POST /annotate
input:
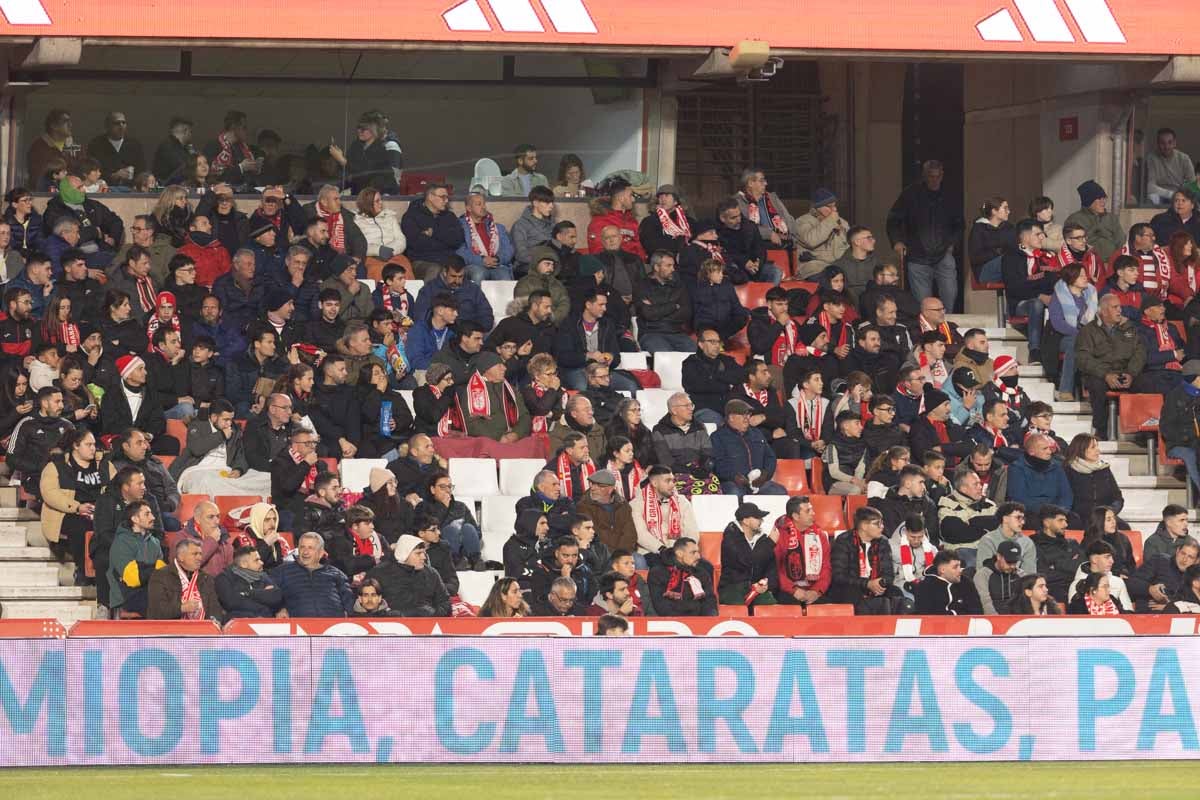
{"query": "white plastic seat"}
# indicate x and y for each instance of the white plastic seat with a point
(413, 287)
(474, 587)
(776, 504)
(356, 472)
(474, 477)
(634, 361)
(654, 405)
(516, 475)
(488, 175)
(370, 283)
(499, 294)
(500, 513)
(669, 367)
(713, 511)
(493, 545)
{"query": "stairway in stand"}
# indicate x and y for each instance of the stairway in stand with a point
(32, 582)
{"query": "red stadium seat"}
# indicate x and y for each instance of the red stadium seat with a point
(816, 481)
(778, 611)
(831, 610)
(735, 611)
(1072, 534)
(332, 463)
(791, 475)
(1135, 410)
(167, 460)
(178, 429)
(187, 506)
(414, 183)
(228, 502)
(1135, 539)
(782, 259)
(853, 503)
(710, 551)
(753, 295)
(830, 512)
(1001, 303)
(288, 537)
(89, 568)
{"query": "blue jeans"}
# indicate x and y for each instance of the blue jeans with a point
(479, 273)
(768, 273)
(180, 411)
(1066, 380)
(989, 271)
(1035, 309)
(770, 487)
(577, 379)
(921, 276)
(1188, 456)
(705, 415)
(462, 538)
(670, 342)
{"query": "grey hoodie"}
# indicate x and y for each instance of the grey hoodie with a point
(527, 233)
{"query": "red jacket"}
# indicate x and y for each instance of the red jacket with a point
(1179, 291)
(783, 551)
(212, 260)
(626, 223)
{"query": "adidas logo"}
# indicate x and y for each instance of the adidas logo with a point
(24, 12)
(1046, 23)
(519, 16)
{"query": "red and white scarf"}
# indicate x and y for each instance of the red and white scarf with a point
(1106, 609)
(231, 154)
(392, 305)
(674, 222)
(714, 250)
(479, 399)
(866, 564)
(1011, 395)
(943, 329)
(452, 419)
(1033, 264)
(652, 513)
(825, 322)
(370, 546)
(805, 552)
(1155, 269)
(635, 478)
(311, 477)
(337, 229)
(478, 247)
(563, 469)
(809, 416)
(146, 296)
(1091, 262)
(68, 334)
(762, 396)
(540, 423)
(755, 213)
(907, 566)
(190, 591)
(1166, 344)
(998, 438)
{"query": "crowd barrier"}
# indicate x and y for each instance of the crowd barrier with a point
(874, 693)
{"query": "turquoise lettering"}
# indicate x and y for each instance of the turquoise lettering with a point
(987, 702)
(1167, 677)
(710, 708)
(212, 708)
(653, 680)
(795, 680)
(914, 676)
(336, 677)
(856, 663)
(593, 663)
(443, 699)
(1092, 708)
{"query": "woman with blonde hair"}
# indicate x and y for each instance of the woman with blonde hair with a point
(379, 225)
(262, 533)
(172, 215)
(506, 600)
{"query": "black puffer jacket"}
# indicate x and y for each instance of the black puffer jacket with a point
(412, 592)
(523, 549)
(241, 598)
(671, 590)
(896, 508)
(662, 307)
(1091, 489)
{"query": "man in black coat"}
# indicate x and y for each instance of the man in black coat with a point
(943, 591)
(743, 246)
(709, 376)
(245, 590)
(335, 411)
(863, 549)
(267, 434)
(562, 561)
(590, 337)
(433, 232)
(908, 499)
(414, 470)
(1161, 579)
(662, 307)
(410, 586)
(534, 325)
(924, 225)
(132, 391)
(886, 284)
(329, 203)
(869, 357)
(293, 473)
(35, 436)
(681, 582)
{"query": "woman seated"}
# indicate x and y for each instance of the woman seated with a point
(1092, 597)
(262, 533)
(1034, 598)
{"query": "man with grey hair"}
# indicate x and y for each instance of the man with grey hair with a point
(344, 236)
(240, 291)
(295, 279)
(924, 224)
(487, 248)
(579, 417)
(182, 589)
(1110, 356)
(311, 588)
(682, 443)
(547, 497)
(561, 601)
(764, 209)
(663, 308)
(966, 515)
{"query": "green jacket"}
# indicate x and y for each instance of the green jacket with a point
(1103, 231)
(1099, 351)
(356, 306)
(559, 299)
(496, 425)
(129, 546)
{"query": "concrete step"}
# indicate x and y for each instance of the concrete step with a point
(8, 496)
(13, 537)
(10, 514)
(24, 553)
(47, 593)
(13, 573)
(66, 612)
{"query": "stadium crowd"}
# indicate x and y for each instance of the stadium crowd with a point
(262, 338)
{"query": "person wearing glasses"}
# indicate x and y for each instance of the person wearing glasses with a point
(282, 212)
(432, 231)
(863, 570)
(294, 475)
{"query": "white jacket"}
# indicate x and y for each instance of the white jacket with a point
(381, 231)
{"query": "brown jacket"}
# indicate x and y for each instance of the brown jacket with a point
(164, 590)
(982, 371)
(614, 526)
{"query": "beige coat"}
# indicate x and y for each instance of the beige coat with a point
(57, 502)
(824, 238)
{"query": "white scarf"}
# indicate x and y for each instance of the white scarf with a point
(674, 222)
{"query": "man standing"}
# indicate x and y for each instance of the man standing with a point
(182, 589)
(924, 225)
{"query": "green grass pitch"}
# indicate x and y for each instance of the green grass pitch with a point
(1093, 781)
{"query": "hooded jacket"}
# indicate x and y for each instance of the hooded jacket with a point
(997, 590)
(527, 233)
(560, 301)
(681, 591)
(522, 551)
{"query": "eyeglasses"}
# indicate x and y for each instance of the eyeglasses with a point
(307, 441)
(441, 196)
(445, 487)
